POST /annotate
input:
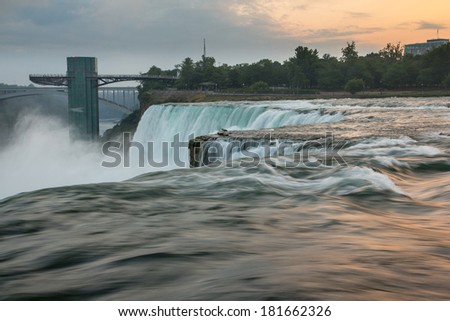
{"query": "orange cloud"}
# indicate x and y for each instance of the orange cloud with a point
(373, 22)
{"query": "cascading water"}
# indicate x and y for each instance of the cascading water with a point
(161, 125)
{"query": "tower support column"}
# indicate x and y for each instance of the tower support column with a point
(83, 97)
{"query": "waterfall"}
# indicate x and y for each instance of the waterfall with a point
(161, 125)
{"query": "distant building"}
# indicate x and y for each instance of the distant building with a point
(424, 47)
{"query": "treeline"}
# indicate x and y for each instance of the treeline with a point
(2, 85)
(388, 68)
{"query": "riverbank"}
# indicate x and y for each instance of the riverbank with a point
(181, 96)
(223, 96)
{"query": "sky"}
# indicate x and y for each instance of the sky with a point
(128, 37)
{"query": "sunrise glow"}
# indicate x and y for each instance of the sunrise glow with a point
(371, 22)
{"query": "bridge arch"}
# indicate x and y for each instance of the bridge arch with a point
(122, 98)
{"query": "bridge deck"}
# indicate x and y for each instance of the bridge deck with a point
(50, 80)
(62, 80)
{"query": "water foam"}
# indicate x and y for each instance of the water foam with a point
(335, 181)
(389, 162)
(383, 142)
(401, 147)
(397, 151)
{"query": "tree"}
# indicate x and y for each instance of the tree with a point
(357, 69)
(396, 75)
(308, 61)
(386, 67)
(297, 78)
(354, 85)
(427, 77)
(260, 86)
(437, 62)
(412, 67)
(349, 53)
(353, 66)
(147, 85)
(186, 80)
(392, 52)
(376, 67)
(233, 77)
(446, 81)
(330, 73)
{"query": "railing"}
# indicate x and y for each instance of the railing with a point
(55, 80)
(11, 92)
(143, 76)
(109, 79)
(62, 80)
(48, 76)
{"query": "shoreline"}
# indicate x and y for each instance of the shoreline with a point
(192, 96)
(369, 94)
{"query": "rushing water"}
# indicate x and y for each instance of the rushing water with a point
(375, 229)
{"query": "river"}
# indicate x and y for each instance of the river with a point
(374, 228)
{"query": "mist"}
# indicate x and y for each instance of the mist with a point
(42, 155)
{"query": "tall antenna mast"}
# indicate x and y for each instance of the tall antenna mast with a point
(204, 49)
(438, 33)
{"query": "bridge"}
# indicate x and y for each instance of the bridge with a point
(63, 80)
(83, 81)
(123, 98)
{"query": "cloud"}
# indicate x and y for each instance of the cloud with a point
(115, 25)
(426, 25)
(420, 25)
(54, 12)
(358, 15)
(127, 35)
(344, 33)
(11, 6)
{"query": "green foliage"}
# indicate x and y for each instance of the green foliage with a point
(437, 64)
(392, 52)
(357, 69)
(307, 62)
(154, 84)
(354, 85)
(11, 86)
(187, 70)
(387, 68)
(376, 67)
(260, 87)
(330, 73)
(446, 81)
(349, 53)
(396, 75)
(426, 77)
